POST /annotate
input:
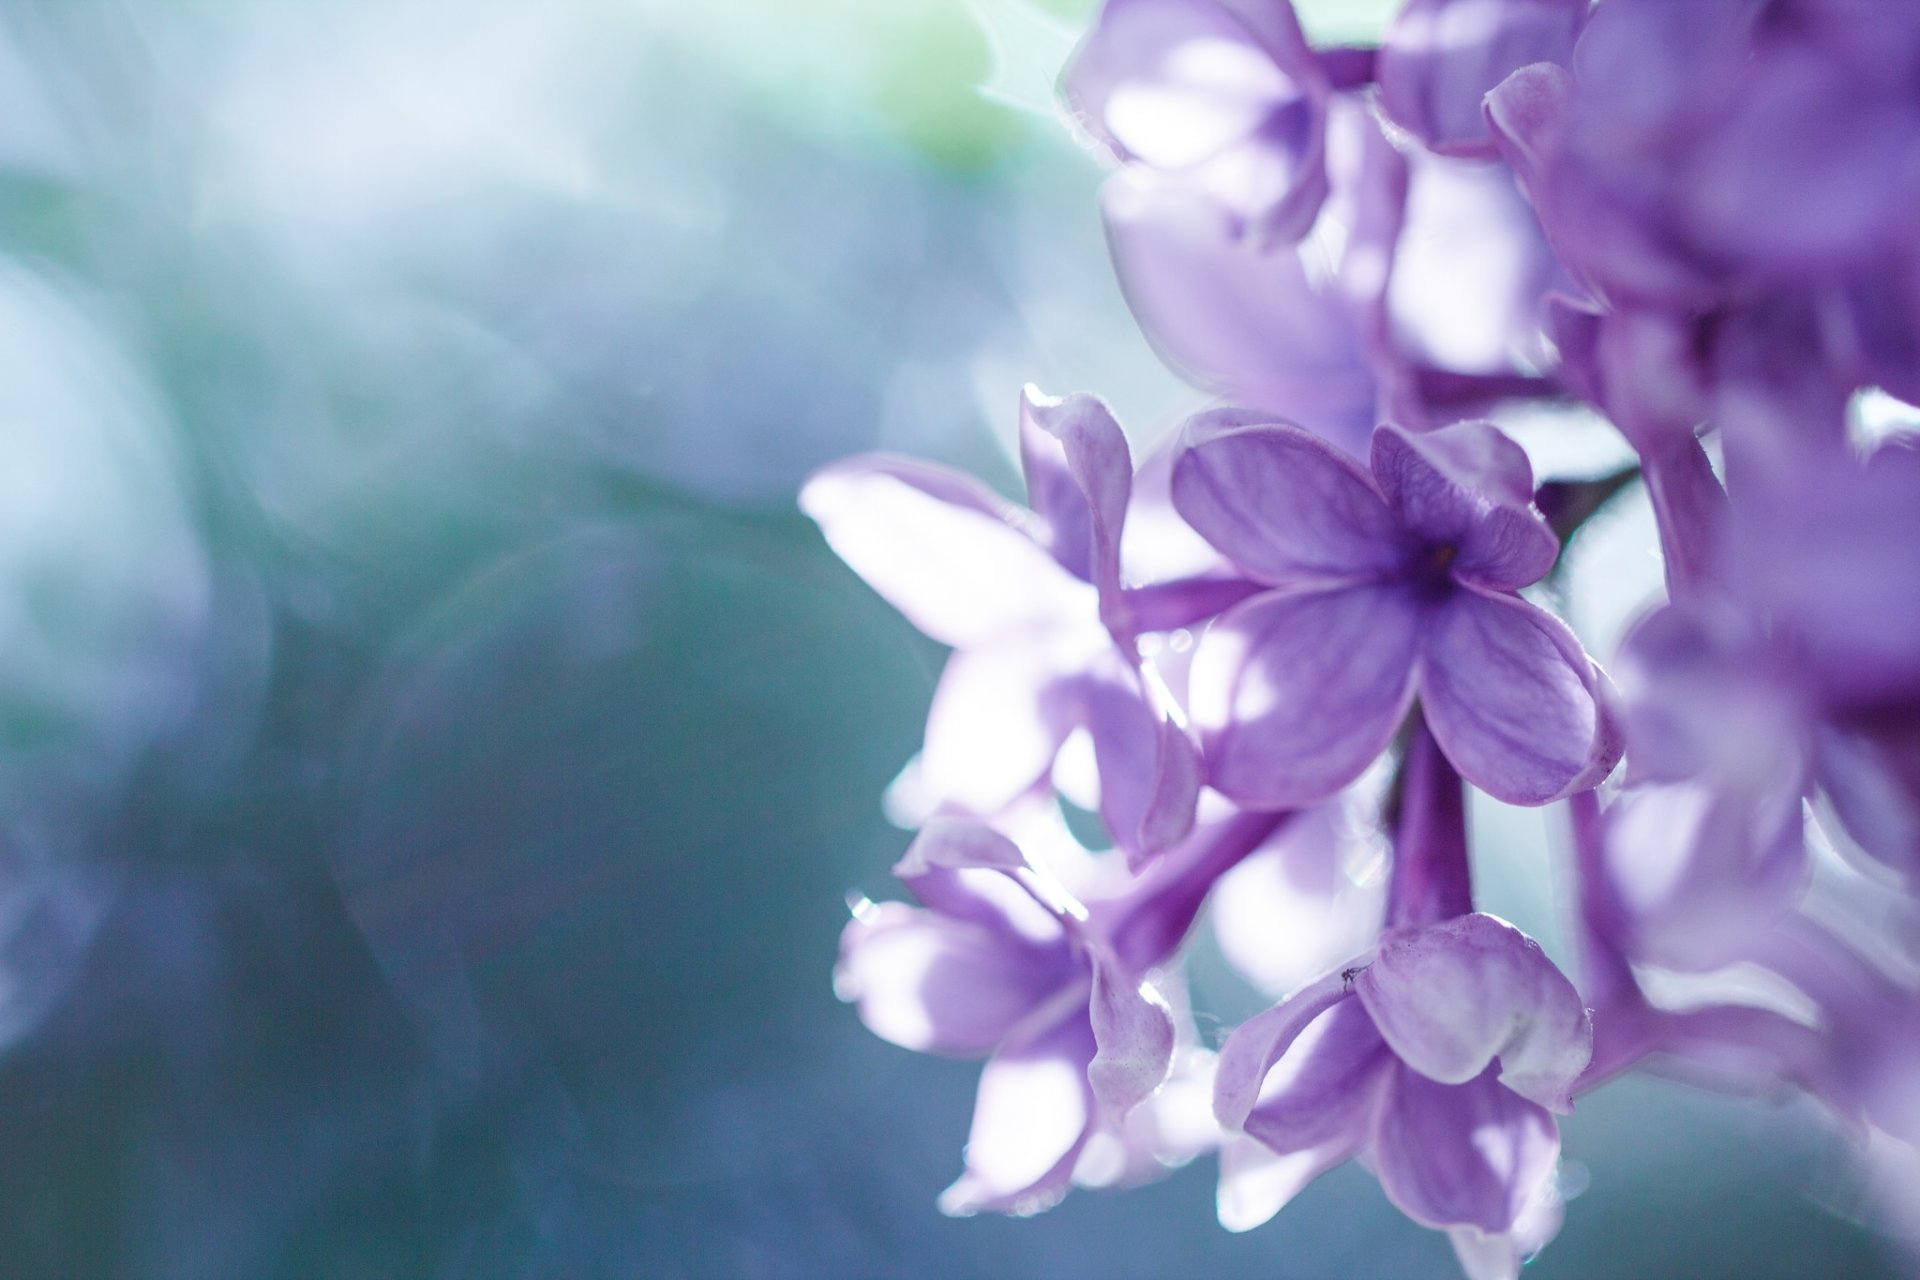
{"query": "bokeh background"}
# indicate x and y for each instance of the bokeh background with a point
(434, 753)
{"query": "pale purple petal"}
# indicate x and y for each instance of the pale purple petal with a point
(1251, 326)
(1079, 480)
(1262, 1040)
(1452, 997)
(1705, 867)
(1473, 1154)
(1173, 83)
(1524, 115)
(1281, 503)
(1485, 1256)
(1469, 488)
(1291, 911)
(1295, 694)
(1133, 1029)
(997, 720)
(1513, 700)
(1321, 1091)
(955, 844)
(1872, 778)
(941, 548)
(1441, 57)
(1257, 1182)
(1230, 103)
(1465, 295)
(935, 984)
(1031, 1117)
(1149, 769)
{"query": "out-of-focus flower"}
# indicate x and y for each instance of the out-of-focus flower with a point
(1222, 98)
(1003, 960)
(1442, 1053)
(1385, 585)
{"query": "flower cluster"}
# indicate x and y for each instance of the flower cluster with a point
(1687, 223)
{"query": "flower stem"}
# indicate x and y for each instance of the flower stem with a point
(1431, 878)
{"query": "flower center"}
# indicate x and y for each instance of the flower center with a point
(1432, 569)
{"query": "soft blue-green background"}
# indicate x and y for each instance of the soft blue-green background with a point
(433, 752)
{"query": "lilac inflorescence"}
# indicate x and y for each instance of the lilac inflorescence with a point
(1276, 657)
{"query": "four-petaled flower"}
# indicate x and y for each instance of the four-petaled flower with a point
(1444, 1055)
(1384, 586)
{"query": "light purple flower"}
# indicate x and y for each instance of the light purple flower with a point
(1222, 98)
(1002, 961)
(1730, 1046)
(1033, 604)
(1442, 1054)
(1385, 586)
(1673, 123)
(1411, 299)
(1792, 669)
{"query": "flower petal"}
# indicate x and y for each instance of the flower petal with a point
(1296, 693)
(1079, 481)
(998, 718)
(1291, 911)
(1453, 996)
(955, 844)
(1513, 700)
(1441, 57)
(1321, 1090)
(1524, 114)
(935, 984)
(1251, 326)
(1262, 1040)
(1228, 103)
(1133, 1029)
(1469, 487)
(1704, 868)
(1452, 1155)
(1873, 782)
(1281, 503)
(1149, 768)
(1031, 1117)
(1173, 82)
(1257, 1182)
(947, 552)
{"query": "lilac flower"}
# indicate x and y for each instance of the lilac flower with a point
(1674, 123)
(1792, 669)
(1729, 1045)
(1410, 299)
(1033, 605)
(1222, 98)
(1269, 327)
(1385, 586)
(1003, 962)
(1441, 1055)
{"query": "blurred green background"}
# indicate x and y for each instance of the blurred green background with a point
(434, 754)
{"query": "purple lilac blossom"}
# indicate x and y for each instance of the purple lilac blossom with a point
(1416, 296)
(1032, 603)
(1220, 98)
(1442, 1054)
(1003, 961)
(1384, 585)
(1694, 217)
